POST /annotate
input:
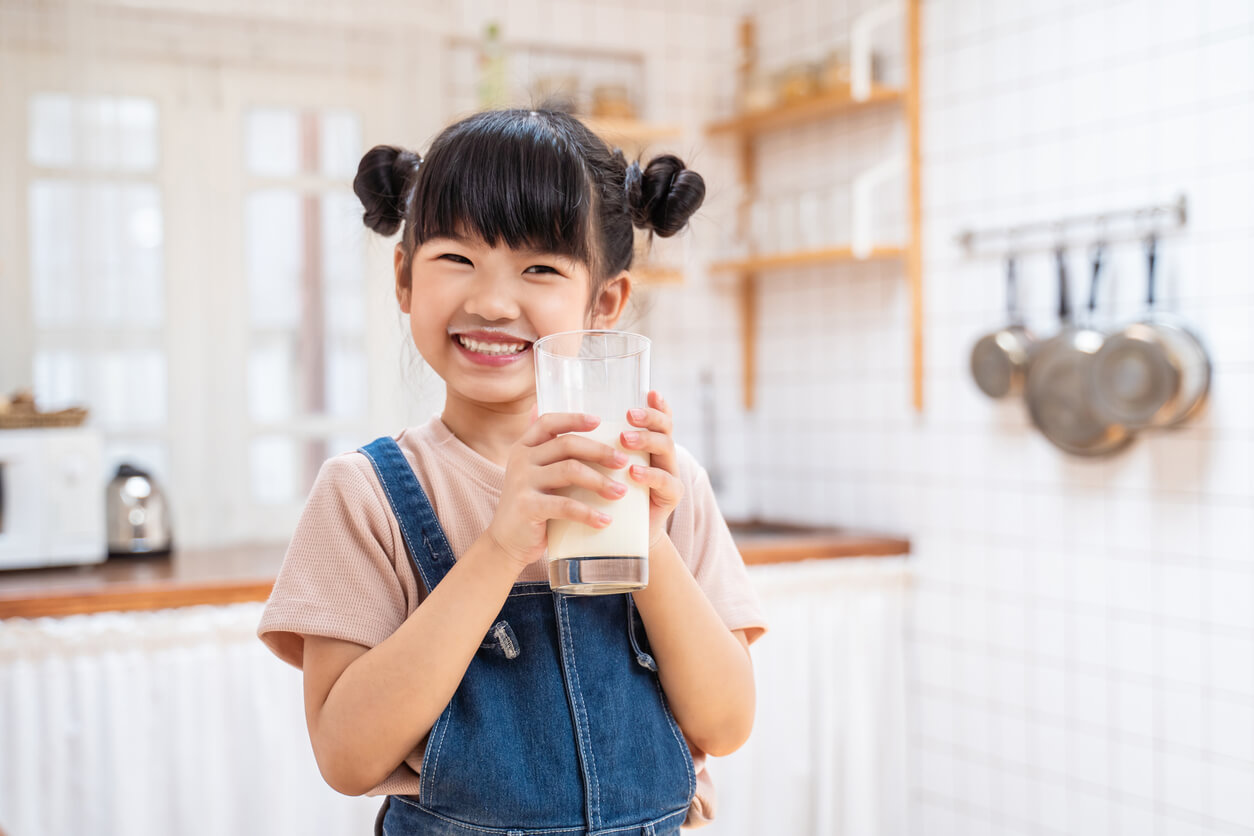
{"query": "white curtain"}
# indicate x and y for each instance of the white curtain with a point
(158, 723)
(828, 752)
(181, 722)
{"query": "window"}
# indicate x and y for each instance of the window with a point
(97, 268)
(307, 370)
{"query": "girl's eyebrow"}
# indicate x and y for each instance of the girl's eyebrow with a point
(532, 252)
(452, 236)
(523, 252)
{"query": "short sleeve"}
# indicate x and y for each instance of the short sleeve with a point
(339, 577)
(702, 538)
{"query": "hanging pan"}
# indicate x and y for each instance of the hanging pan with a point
(1057, 387)
(1153, 373)
(999, 361)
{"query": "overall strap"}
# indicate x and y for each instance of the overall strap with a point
(424, 538)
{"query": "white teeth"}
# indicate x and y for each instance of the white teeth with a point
(494, 349)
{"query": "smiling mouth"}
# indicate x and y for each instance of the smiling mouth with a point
(491, 348)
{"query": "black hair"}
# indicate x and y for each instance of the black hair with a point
(527, 178)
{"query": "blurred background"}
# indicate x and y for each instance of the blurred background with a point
(1030, 629)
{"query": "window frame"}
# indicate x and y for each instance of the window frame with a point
(201, 128)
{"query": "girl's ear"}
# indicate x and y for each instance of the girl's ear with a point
(611, 301)
(403, 279)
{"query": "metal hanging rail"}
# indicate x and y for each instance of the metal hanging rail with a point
(1042, 235)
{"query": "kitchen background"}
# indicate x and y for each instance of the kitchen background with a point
(1078, 635)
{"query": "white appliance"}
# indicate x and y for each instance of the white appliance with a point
(52, 508)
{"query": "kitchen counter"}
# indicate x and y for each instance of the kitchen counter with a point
(781, 543)
(235, 574)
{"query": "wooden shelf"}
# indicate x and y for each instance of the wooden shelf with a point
(631, 131)
(745, 129)
(805, 258)
(806, 110)
(657, 275)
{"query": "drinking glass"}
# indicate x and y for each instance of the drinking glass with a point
(602, 373)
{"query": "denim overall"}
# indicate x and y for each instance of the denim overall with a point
(559, 726)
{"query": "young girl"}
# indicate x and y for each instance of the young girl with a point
(440, 670)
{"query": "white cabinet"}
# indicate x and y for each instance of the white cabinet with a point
(180, 721)
(155, 723)
(828, 752)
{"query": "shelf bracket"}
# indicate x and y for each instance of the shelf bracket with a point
(748, 334)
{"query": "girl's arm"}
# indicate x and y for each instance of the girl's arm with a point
(704, 667)
(368, 708)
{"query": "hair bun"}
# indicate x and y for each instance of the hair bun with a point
(384, 178)
(664, 195)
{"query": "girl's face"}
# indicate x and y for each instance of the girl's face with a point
(475, 310)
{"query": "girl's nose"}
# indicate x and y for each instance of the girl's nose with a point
(490, 299)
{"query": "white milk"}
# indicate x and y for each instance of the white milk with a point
(627, 535)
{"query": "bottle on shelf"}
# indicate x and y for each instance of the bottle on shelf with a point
(493, 90)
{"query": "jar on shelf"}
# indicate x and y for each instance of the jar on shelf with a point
(758, 93)
(797, 82)
(762, 235)
(787, 239)
(839, 229)
(612, 101)
(834, 72)
(812, 213)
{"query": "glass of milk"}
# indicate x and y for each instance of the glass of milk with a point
(601, 373)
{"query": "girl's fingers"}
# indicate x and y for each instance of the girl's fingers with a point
(654, 436)
(665, 488)
(554, 507)
(651, 418)
(660, 447)
(552, 424)
(572, 473)
(578, 447)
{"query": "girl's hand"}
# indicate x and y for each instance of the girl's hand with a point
(662, 476)
(542, 462)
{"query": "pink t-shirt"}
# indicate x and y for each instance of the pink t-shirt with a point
(348, 548)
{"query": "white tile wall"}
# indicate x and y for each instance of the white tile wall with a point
(1082, 632)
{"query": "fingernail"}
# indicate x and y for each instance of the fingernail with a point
(637, 470)
(603, 519)
(631, 437)
(618, 488)
(636, 414)
(619, 459)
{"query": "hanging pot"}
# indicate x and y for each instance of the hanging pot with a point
(1058, 379)
(1154, 373)
(999, 361)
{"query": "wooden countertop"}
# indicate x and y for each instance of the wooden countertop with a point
(236, 574)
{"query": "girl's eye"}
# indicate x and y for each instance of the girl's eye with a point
(540, 268)
(455, 258)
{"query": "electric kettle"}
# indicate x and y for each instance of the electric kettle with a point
(137, 515)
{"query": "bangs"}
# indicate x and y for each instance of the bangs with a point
(507, 180)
